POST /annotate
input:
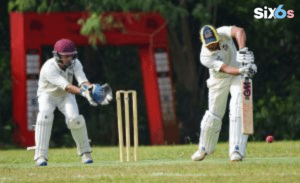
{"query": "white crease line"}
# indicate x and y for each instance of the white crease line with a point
(145, 162)
(94, 176)
(158, 174)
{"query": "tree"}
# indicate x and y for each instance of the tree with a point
(273, 41)
(5, 79)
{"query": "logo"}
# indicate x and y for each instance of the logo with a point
(219, 58)
(225, 47)
(208, 33)
(247, 90)
(269, 13)
(236, 147)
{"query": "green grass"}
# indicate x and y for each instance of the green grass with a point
(276, 162)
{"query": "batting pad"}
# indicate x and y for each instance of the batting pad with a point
(210, 130)
(237, 140)
(79, 132)
(43, 129)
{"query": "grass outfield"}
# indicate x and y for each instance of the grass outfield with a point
(276, 162)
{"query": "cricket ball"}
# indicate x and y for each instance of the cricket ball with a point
(269, 139)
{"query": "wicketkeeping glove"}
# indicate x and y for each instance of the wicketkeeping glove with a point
(108, 94)
(86, 92)
(102, 94)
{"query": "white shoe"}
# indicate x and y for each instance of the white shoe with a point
(236, 156)
(198, 155)
(87, 158)
(41, 161)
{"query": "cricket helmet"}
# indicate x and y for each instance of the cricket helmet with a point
(208, 35)
(64, 47)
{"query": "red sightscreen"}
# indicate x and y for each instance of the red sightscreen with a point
(30, 31)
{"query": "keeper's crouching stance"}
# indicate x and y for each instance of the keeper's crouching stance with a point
(55, 90)
(219, 54)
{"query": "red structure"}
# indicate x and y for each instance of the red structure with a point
(30, 31)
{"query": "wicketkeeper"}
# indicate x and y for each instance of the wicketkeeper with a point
(219, 54)
(55, 90)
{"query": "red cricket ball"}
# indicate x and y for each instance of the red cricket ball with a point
(269, 139)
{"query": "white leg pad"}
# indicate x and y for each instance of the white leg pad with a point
(79, 132)
(210, 130)
(237, 140)
(43, 129)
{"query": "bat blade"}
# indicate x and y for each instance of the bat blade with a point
(247, 109)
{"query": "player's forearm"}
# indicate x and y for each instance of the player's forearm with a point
(72, 89)
(230, 70)
(241, 39)
(240, 35)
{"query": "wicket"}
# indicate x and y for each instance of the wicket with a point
(127, 123)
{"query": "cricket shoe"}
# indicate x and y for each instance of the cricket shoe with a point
(87, 158)
(236, 156)
(41, 161)
(199, 155)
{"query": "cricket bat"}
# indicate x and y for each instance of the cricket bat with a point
(247, 109)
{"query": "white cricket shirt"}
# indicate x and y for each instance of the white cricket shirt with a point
(54, 80)
(215, 59)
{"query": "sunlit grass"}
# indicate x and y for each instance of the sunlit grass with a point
(275, 162)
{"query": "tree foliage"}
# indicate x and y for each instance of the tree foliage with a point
(91, 27)
(276, 87)
(275, 43)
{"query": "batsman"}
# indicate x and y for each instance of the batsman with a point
(219, 54)
(55, 90)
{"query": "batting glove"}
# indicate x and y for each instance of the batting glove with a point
(249, 70)
(244, 56)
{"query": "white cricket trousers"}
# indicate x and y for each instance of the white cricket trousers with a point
(68, 106)
(219, 90)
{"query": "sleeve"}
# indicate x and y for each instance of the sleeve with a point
(79, 74)
(212, 62)
(53, 76)
(225, 31)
